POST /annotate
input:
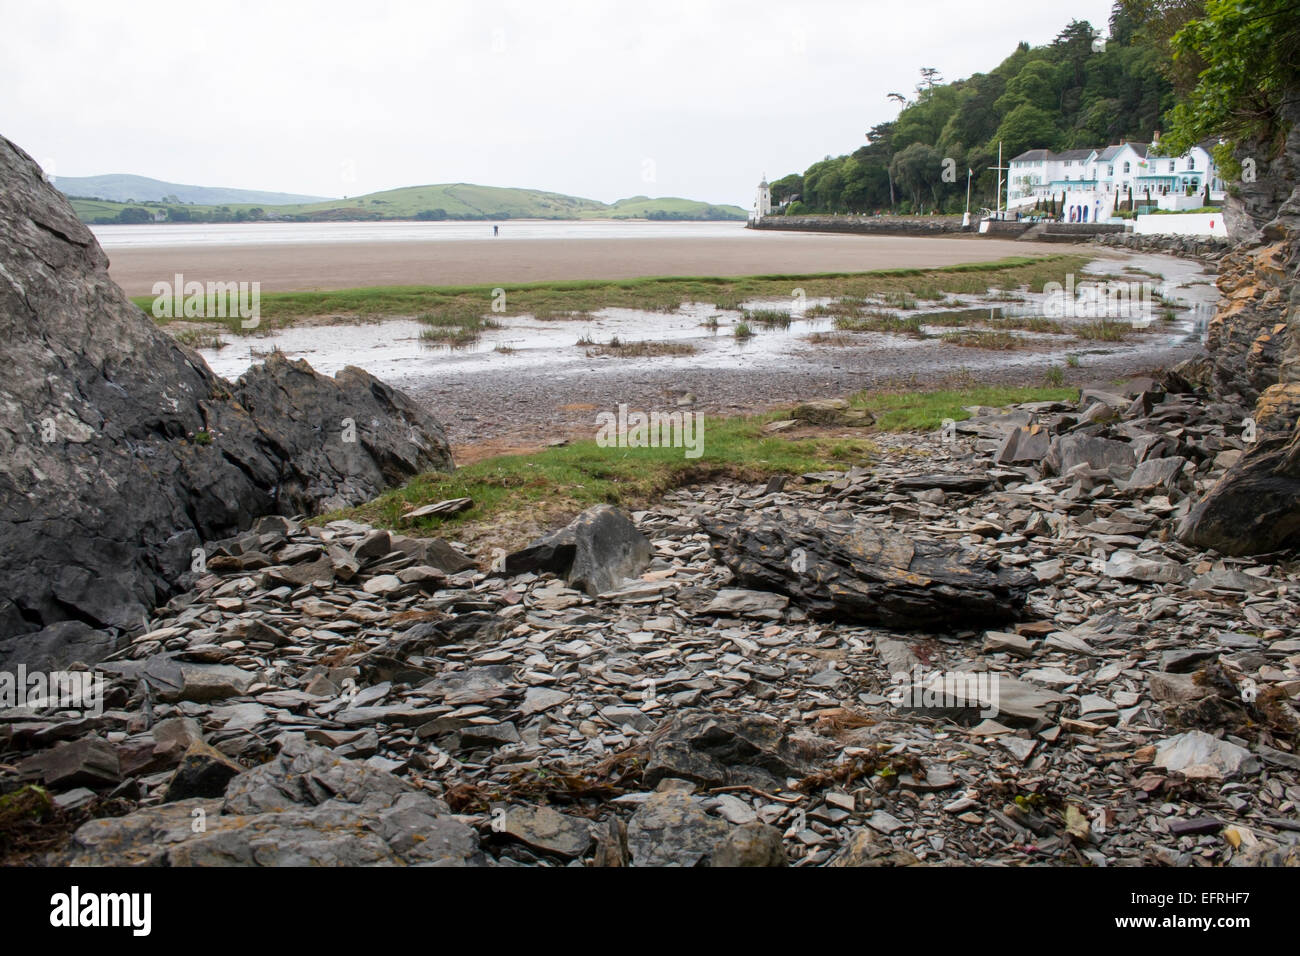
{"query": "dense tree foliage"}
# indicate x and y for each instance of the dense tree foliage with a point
(1079, 91)
(1234, 64)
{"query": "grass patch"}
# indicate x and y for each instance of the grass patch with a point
(1103, 331)
(653, 293)
(906, 410)
(199, 339)
(563, 480)
(743, 331)
(845, 305)
(1025, 323)
(984, 339)
(904, 300)
(892, 324)
(768, 318)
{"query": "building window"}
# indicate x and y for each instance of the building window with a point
(1171, 165)
(1126, 169)
(1110, 170)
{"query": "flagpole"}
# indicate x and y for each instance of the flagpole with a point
(999, 179)
(965, 220)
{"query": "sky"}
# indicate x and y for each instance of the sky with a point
(693, 98)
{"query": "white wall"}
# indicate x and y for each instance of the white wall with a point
(1176, 201)
(1189, 224)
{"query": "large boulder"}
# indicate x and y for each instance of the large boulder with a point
(120, 450)
(1255, 507)
(596, 551)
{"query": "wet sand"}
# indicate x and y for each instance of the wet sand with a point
(284, 267)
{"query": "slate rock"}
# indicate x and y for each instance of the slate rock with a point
(203, 772)
(548, 830)
(866, 575)
(673, 829)
(1103, 454)
(596, 552)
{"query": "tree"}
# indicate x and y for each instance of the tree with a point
(917, 168)
(786, 187)
(1026, 127)
(1251, 55)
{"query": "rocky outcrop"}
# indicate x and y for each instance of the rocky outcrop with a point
(1254, 352)
(1255, 507)
(120, 451)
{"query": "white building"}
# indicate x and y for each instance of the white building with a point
(763, 201)
(1093, 182)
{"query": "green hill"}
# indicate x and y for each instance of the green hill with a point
(121, 187)
(447, 201)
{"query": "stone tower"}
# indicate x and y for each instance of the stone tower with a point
(763, 201)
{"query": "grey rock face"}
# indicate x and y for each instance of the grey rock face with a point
(120, 451)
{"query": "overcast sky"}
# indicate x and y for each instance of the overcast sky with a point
(694, 98)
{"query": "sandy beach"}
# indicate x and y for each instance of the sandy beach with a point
(283, 267)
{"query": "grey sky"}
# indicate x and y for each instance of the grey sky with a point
(693, 98)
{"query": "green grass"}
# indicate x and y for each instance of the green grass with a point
(581, 474)
(905, 300)
(984, 339)
(653, 293)
(455, 327)
(768, 318)
(743, 331)
(1103, 331)
(552, 483)
(1025, 323)
(925, 411)
(893, 324)
(199, 339)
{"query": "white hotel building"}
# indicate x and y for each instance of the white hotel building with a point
(1094, 181)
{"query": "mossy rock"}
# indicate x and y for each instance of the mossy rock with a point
(832, 411)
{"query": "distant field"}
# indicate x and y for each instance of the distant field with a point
(434, 203)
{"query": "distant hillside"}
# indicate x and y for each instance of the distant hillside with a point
(123, 188)
(460, 201)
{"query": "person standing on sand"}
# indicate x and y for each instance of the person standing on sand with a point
(494, 231)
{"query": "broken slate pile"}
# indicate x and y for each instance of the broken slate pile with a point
(334, 693)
